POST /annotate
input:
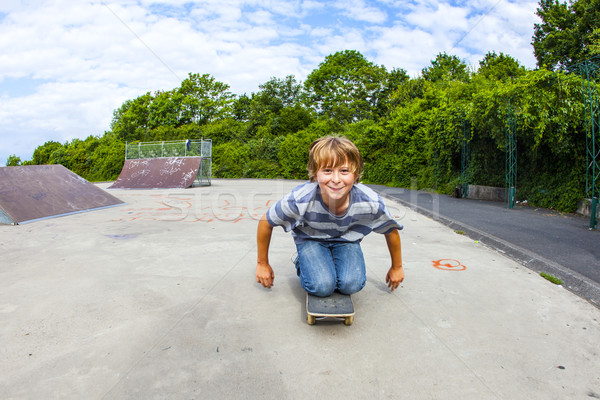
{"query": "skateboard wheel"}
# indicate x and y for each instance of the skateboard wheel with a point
(311, 320)
(349, 320)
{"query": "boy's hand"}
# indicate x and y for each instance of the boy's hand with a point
(264, 275)
(394, 277)
(396, 273)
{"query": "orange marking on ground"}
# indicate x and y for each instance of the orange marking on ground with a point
(447, 264)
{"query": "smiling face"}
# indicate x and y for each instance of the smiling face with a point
(331, 151)
(336, 182)
(335, 164)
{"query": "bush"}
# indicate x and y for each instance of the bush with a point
(230, 159)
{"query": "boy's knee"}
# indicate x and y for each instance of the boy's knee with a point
(322, 288)
(351, 287)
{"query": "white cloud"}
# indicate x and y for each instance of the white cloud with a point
(78, 61)
(261, 17)
(321, 32)
(358, 10)
(439, 17)
(308, 6)
(415, 47)
(507, 28)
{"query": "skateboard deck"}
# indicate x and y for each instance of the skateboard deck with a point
(335, 306)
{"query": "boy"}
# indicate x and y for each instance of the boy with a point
(328, 217)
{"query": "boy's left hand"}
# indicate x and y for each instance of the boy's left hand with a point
(394, 277)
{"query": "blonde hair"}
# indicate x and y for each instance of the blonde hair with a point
(333, 151)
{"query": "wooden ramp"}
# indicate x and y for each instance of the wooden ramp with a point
(158, 173)
(32, 192)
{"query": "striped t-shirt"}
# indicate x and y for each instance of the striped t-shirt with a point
(303, 212)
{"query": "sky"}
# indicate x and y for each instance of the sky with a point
(66, 65)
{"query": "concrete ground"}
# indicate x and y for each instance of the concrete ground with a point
(156, 299)
(543, 240)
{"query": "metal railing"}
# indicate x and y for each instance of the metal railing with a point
(590, 74)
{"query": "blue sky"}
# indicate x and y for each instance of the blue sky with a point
(66, 65)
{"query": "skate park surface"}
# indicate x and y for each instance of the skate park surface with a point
(156, 299)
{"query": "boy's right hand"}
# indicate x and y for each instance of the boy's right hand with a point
(264, 275)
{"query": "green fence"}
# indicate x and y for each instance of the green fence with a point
(590, 73)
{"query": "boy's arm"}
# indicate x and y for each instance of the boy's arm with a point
(264, 272)
(396, 273)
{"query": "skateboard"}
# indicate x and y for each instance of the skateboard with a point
(335, 306)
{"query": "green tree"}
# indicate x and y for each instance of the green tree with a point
(346, 87)
(13, 161)
(291, 120)
(199, 100)
(130, 121)
(595, 42)
(276, 97)
(165, 110)
(293, 154)
(230, 159)
(500, 67)
(41, 155)
(395, 79)
(107, 159)
(276, 93)
(203, 100)
(225, 130)
(566, 35)
(407, 92)
(446, 68)
(486, 116)
(75, 155)
(241, 108)
(399, 150)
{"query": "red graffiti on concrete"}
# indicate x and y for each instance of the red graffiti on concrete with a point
(186, 209)
(449, 265)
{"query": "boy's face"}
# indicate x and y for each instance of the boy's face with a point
(335, 183)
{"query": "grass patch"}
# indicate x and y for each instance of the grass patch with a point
(551, 278)
(460, 232)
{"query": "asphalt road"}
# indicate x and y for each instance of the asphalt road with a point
(544, 240)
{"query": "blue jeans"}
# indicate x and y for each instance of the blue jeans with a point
(324, 267)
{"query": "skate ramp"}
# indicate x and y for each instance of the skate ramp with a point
(158, 173)
(33, 192)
